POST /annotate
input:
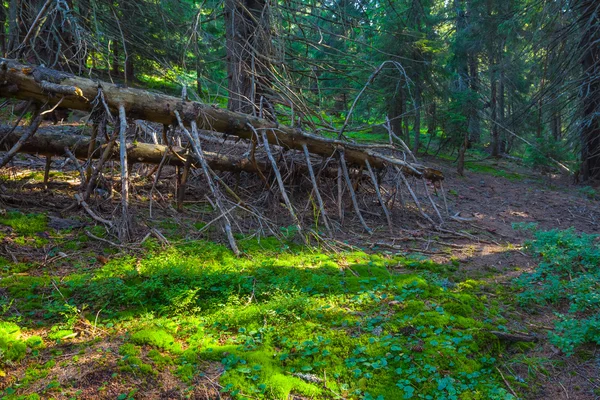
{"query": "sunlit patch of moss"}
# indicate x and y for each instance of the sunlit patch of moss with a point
(13, 346)
(158, 338)
(159, 359)
(61, 334)
(25, 224)
(116, 267)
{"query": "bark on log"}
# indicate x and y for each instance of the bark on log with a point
(31, 82)
(51, 141)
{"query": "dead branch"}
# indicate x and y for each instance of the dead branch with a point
(351, 190)
(197, 147)
(378, 192)
(316, 190)
(35, 123)
(92, 214)
(125, 231)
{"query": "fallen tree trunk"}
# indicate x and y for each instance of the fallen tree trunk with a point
(45, 85)
(52, 140)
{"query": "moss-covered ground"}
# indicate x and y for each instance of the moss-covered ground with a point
(83, 320)
(281, 320)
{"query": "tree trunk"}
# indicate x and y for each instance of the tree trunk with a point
(432, 119)
(417, 126)
(115, 60)
(395, 111)
(511, 113)
(52, 140)
(3, 20)
(463, 85)
(501, 136)
(494, 112)
(247, 34)
(44, 85)
(13, 25)
(590, 131)
(556, 125)
(474, 122)
(129, 67)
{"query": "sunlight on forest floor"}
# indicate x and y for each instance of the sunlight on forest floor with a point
(80, 319)
(283, 319)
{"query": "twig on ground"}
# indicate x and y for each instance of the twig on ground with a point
(92, 214)
(506, 382)
(91, 235)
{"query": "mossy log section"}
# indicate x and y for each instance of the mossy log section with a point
(30, 82)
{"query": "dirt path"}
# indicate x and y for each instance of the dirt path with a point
(495, 203)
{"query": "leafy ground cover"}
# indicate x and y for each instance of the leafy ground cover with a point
(80, 319)
(568, 277)
(281, 320)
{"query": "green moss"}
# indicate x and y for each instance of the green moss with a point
(158, 338)
(186, 372)
(129, 349)
(25, 224)
(133, 364)
(283, 317)
(494, 171)
(159, 359)
(12, 347)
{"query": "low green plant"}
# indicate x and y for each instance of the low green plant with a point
(568, 272)
(588, 192)
(544, 153)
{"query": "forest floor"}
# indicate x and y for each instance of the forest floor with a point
(420, 314)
